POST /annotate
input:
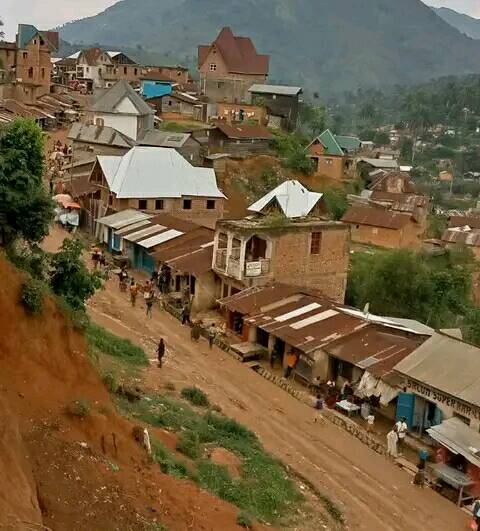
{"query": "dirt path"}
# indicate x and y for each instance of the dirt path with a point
(373, 493)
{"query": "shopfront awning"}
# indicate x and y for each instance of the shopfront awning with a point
(458, 438)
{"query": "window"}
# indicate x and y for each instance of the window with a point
(99, 121)
(316, 243)
(43, 73)
(187, 204)
(30, 72)
(110, 199)
(220, 84)
(375, 230)
(125, 70)
(274, 96)
(213, 67)
(328, 162)
(210, 204)
(142, 204)
(25, 55)
(135, 71)
(158, 204)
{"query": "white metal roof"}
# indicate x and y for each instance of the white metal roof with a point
(280, 90)
(113, 54)
(160, 238)
(292, 197)
(75, 55)
(380, 163)
(123, 218)
(150, 172)
(296, 313)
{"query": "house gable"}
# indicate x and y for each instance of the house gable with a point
(125, 106)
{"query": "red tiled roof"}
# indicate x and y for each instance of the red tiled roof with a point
(376, 217)
(53, 38)
(238, 53)
(245, 131)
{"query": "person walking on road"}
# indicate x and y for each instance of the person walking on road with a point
(133, 293)
(160, 352)
(195, 332)
(392, 440)
(149, 297)
(186, 314)
(212, 333)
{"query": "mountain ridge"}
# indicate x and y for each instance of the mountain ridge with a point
(338, 46)
(466, 24)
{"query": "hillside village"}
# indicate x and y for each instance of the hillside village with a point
(336, 264)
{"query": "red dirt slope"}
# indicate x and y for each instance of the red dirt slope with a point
(53, 469)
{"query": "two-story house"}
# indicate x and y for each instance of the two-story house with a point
(333, 154)
(282, 104)
(229, 66)
(158, 180)
(92, 65)
(121, 108)
(285, 241)
(28, 64)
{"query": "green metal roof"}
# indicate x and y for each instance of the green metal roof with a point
(349, 143)
(329, 142)
(26, 32)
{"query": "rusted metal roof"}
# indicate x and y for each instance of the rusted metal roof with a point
(195, 263)
(251, 300)
(254, 132)
(462, 237)
(463, 221)
(373, 348)
(376, 217)
(401, 202)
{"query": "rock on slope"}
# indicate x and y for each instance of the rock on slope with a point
(46, 476)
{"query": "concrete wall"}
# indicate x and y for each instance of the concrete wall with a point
(126, 124)
(293, 263)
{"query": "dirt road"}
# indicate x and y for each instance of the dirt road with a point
(373, 493)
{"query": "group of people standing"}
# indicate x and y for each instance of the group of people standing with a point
(396, 438)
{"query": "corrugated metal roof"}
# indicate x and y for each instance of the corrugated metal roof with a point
(279, 90)
(195, 263)
(111, 98)
(292, 197)
(463, 221)
(465, 237)
(164, 139)
(146, 172)
(99, 134)
(446, 364)
(254, 132)
(380, 163)
(376, 217)
(123, 218)
(160, 238)
(141, 234)
(130, 228)
(458, 438)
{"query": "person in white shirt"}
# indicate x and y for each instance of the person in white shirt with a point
(370, 423)
(402, 429)
(392, 439)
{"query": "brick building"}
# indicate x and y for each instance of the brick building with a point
(381, 226)
(229, 66)
(333, 155)
(305, 252)
(158, 180)
(28, 64)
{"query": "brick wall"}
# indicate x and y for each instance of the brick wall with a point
(409, 237)
(34, 65)
(293, 262)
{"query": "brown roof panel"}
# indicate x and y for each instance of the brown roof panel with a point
(195, 263)
(374, 349)
(245, 131)
(461, 237)
(251, 300)
(462, 221)
(376, 217)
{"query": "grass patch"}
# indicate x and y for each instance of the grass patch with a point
(195, 396)
(100, 339)
(244, 520)
(168, 463)
(332, 509)
(263, 490)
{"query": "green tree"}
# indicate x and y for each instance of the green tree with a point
(434, 290)
(381, 138)
(406, 149)
(336, 201)
(26, 209)
(70, 278)
(291, 148)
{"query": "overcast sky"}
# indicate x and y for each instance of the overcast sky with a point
(49, 13)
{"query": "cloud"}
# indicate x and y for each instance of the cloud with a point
(47, 14)
(470, 7)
